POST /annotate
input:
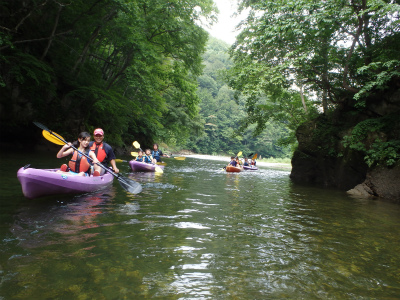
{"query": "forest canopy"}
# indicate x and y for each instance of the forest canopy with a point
(128, 66)
(332, 52)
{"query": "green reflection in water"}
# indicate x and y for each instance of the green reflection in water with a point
(196, 232)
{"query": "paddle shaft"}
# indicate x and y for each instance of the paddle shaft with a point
(127, 184)
(87, 156)
(72, 146)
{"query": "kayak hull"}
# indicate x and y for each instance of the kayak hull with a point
(45, 182)
(250, 168)
(138, 166)
(233, 169)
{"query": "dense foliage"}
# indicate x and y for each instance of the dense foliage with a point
(128, 66)
(221, 114)
(338, 53)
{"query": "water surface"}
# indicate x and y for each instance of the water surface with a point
(196, 232)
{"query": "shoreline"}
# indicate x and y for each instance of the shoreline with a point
(227, 159)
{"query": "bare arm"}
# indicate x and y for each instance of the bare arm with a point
(65, 150)
(114, 166)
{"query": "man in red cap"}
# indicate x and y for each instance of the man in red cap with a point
(102, 150)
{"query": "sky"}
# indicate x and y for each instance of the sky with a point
(225, 28)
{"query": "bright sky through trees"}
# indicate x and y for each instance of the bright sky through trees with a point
(225, 28)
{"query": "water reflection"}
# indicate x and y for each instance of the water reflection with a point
(197, 232)
(62, 221)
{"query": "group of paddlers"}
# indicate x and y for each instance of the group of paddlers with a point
(97, 151)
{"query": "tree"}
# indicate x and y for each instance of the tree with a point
(322, 47)
(127, 66)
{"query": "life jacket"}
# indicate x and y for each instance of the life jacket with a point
(99, 151)
(79, 162)
(139, 158)
(147, 159)
(156, 154)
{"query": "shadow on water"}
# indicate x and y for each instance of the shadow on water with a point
(197, 232)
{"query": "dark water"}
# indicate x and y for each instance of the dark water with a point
(196, 232)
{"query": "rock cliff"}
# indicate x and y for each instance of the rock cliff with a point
(353, 149)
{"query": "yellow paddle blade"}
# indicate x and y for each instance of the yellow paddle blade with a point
(180, 157)
(119, 160)
(136, 144)
(239, 154)
(48, 136)
(158, 170)
(161, 163)
(255, 156)
(134, 154)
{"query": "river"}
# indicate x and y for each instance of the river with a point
(196, 232)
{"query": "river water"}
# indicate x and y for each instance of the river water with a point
(196, 232)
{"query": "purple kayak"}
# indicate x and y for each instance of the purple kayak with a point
(251, 168)
(138, 166)
(44, 182)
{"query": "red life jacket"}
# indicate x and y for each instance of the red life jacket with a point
(79, 163)
(99, 151)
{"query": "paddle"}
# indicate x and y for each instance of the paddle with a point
(161, 163)
(118, 160)
(51, 138)
(253, 158)
(237, 155)
(127, 184)
(137, 146)
(180, 157)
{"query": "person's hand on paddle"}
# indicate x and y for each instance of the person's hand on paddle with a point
(114, 166)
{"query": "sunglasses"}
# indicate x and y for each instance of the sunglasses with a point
(98, 135)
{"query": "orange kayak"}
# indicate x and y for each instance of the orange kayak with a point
(233, 169)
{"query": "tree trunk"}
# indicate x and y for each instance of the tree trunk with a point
(52, 33)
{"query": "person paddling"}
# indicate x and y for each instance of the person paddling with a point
(148, 158)
(79, 164)
(157, 154)
(233, 161)
(102, 150)
(140, 156)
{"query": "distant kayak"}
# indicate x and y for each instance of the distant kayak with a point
(251, 168)
(233, 169)
(44, 182)
(138, 166)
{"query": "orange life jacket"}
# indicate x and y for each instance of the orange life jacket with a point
(79, 163)
(99, 151)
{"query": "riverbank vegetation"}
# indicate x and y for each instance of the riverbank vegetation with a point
(129, 67)
(331, 71)
(296, 60)
(323, 77)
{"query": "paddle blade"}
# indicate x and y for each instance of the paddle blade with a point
(239, 154)
(255, 156)
(134, 154)
(161, 163)
(50, 137)
(180, 157)
(41, 126)
(158, 170)
(129, 185)
(136, 144)
(118, 160)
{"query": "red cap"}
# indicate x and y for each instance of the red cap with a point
(98, 131)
